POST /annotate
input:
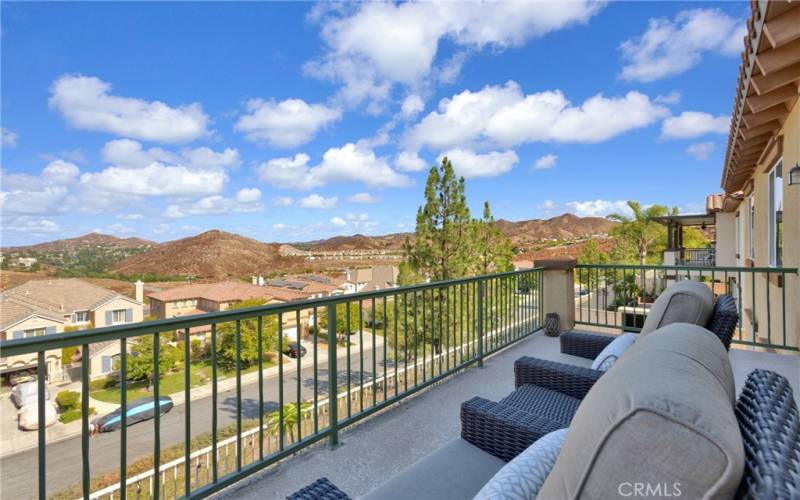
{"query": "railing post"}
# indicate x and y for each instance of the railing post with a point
(333, 399)
(480, 324)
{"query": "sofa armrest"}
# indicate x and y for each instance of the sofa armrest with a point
(585, 345)
(569, 379)
(502, 430)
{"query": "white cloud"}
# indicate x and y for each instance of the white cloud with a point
(130, 153)
(694, 124)
(280, 226)
(60, 172)
(30, 225)
(701, 150)
(504, 116)
(86, 103)
(349, 163)
(283, 201)
(37, 194)
(133, 216)
(545, 162)
(318, 201)
(8, 138)
(598, 208)
(547, 205)
(363, 198)
(373, 46)
(161, 228)
(338, 222)
(353, 223)
(246, 200)
(673, 97)
(285, 124)
(670, 47)
(156, 179)
(408, 161)
(469, 164)
(412, 105)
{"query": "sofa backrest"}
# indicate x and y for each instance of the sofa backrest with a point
(724, 319)
(686, 301)
(660, 421)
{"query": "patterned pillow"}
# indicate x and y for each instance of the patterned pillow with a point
(613, 351)
(521, 478)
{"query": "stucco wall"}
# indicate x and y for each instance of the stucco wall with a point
(726, 236)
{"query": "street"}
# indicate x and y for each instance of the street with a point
(64, 457)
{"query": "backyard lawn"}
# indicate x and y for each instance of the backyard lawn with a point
(171, 383)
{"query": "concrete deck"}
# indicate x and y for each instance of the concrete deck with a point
(385, 445)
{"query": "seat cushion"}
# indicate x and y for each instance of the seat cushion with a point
(457, 470)
(543, 402)
(611, 353)
(522, 477)
(686, 301)
(662, 416)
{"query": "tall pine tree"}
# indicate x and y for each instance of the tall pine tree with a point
(491, 248)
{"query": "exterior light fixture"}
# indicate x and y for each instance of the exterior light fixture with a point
(794, 175)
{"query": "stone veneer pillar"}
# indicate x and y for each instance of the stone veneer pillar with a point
(559, 289)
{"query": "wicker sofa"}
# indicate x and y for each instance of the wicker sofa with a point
(713, 444)
(547, 393)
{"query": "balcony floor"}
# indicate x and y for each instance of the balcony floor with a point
(379, 448)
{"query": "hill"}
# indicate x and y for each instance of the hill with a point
(73, 245)
(357, 242)
(213, 254)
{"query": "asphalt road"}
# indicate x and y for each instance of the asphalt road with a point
(18, 472)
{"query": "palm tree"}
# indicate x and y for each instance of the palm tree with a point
(641, 229)
(290, 418)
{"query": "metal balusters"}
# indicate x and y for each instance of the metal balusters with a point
(239, 395)
(214, 455)
(157, 414)
(280, 377)
(187, 436)
(41, 427)
(260, 341)
(123, 418)
(316, 382)
(299, 375)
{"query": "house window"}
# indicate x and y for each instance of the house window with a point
(776, 215)
(751, 217)
(118, 316)
(80, 316)
(35, 332)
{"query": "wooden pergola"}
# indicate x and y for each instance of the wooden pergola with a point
(676, 223)
(768, 87)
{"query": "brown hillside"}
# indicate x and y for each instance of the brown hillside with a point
(70, 245)
(213, 254)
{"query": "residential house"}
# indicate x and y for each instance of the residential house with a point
(371, 278)
(44, 307)
(200, 298)
(313, 286)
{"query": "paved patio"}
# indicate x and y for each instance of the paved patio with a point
(385, 445)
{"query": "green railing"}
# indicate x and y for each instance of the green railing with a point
(618, 296)
(388, 345)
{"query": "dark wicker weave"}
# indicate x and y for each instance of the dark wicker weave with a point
(584, 344)
(724, 319)
(568, 379)
(321, 489)
(500, 429)
(770, 427)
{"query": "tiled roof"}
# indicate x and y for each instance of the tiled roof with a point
(226, 291)
(61, 296)
(13, 311)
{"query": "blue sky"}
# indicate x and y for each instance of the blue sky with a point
(296, 121)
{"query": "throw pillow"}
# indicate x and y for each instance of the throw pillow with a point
(521, 478)
(613, 351)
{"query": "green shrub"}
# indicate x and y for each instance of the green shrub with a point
(68, 400)
(67, 353)
(102, 383)
(74, 414)
(198, 349)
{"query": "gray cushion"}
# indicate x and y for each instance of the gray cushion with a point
(522, 477)
(611, 353)
(457, 470)
(662, 416)
(686, 301)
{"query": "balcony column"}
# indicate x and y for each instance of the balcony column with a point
(558, 289)
(670, 237)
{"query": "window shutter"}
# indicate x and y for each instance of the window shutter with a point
(51, 330)
(19, 334)
(106, 364)
(109, 317)
(128, 315)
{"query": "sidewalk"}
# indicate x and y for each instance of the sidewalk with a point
(23, 440)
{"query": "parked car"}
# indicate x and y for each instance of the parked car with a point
(27, 393)
(295, 350)
(28, 416)
(137, 411)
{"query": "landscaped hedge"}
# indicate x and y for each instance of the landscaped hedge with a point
(74, 414)
(68, 400)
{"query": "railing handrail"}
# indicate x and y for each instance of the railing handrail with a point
(16, 347)
(721, 269)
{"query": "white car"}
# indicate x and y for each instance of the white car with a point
(27, 393)
(28, 416)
